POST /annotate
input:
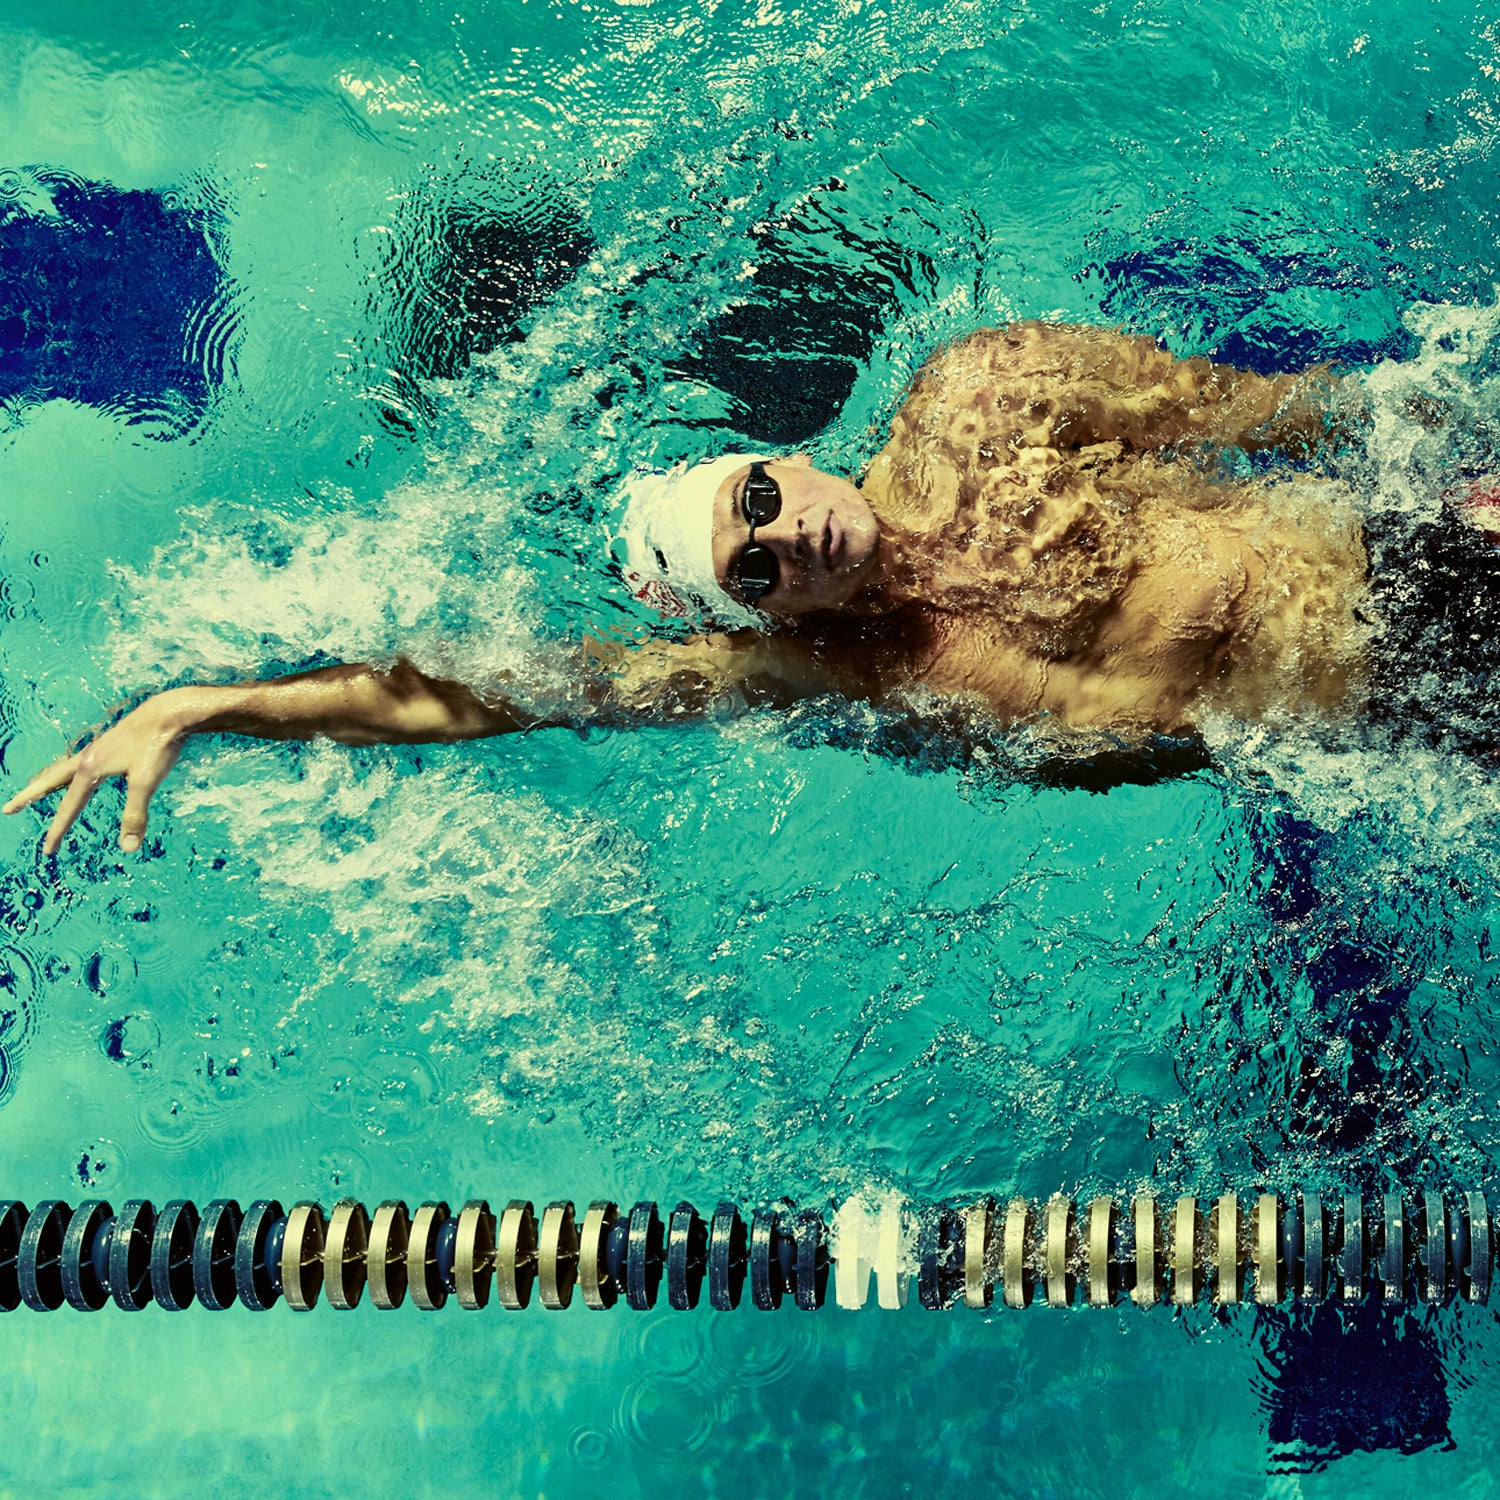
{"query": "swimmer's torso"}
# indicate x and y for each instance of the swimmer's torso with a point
(1045, 497)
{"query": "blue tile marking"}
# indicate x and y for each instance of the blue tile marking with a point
(100, 290)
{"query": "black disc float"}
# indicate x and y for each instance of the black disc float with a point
(810, 1276)
(1314, 1248)
(772, 1257)
(254, 1281)
(213, 1254)
(1352, 1252)
(13, 1218)
(130, 1256)
(728, 1258)
(173, 1246)
(687, 1257)
(643, 1257)
(83, 1286)
(39, 1261)
(1477, 1278)
(940, 1259)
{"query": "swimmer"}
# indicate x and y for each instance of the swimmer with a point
(1045, 536)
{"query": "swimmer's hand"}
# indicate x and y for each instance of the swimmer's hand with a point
(142, 748)
(357, 705)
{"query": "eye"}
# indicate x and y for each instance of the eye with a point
(757, 572)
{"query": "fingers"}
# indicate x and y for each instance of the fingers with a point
(133, 823)
(142, 759)
(73, 803)
(59, 773)
(140, 788)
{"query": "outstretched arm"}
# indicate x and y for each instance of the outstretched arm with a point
(365, 705)
(358, 705)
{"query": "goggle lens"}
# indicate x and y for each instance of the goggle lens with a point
(757, 571)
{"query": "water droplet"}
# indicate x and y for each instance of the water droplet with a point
(591, 1448)
(131, 1039)
(100, 1164)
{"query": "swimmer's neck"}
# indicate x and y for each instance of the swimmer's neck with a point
(911, 572)
(901, 577)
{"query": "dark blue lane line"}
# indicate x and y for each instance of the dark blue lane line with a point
(1367, 1378)
(1245, 302)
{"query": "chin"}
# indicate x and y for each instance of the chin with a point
(860, 526)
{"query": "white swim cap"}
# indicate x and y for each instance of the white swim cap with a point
(668, 531)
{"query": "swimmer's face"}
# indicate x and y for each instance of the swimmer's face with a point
(823, 538)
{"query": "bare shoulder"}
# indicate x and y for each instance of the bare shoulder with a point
(1033, 349)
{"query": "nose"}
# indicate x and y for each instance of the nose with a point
(787, 535)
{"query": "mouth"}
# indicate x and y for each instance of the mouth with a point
(832, 545)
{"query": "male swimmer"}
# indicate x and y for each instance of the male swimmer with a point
(1044, 536)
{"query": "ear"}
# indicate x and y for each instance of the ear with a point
(801, 460)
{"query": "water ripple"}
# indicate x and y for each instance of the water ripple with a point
(766, 1353)
(664, 1415)
(672, 1346)
(19, 1001)
(172, 1121)
(593, 1448)
(212, 333)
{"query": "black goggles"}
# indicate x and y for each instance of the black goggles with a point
(756, 571)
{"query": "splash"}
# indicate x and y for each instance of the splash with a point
(1435, 415)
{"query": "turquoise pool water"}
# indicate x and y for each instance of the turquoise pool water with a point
(414, 288)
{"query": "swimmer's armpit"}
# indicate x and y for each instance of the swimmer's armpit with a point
(708, 674)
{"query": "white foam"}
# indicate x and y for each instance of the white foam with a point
(1409, 461)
